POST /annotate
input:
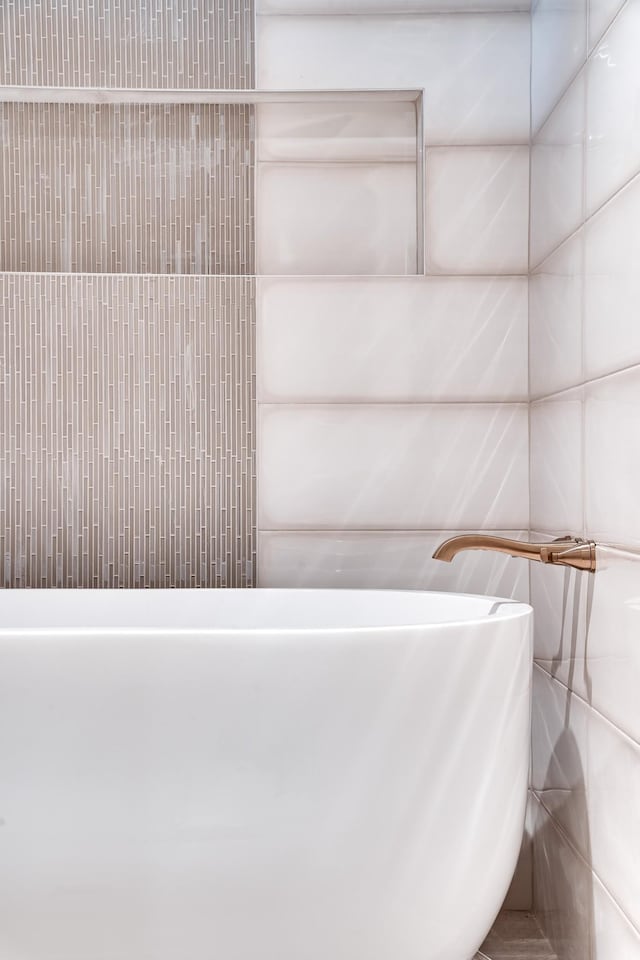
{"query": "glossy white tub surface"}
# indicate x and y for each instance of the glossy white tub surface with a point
(258, 775)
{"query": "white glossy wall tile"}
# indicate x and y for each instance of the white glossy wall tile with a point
(601, 14)
(563, 885)
(389, 6)
(556, 463)
(364, 131)
(395, 467)
(336, 218)
(392, 339)
(560, 731)
(614, 794)
(613, 90)
(610, 677)
(555, 320)
(558, 49)
(556, 174)
(613, 936)
(612, 285)
(559, 598)
(386, 560)
(583, 328)
(477, 202)
(612, 458)
(475, 69)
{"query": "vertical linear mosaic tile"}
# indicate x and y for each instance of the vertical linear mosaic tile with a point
(127, 189)
(192, 44)
(127, 416)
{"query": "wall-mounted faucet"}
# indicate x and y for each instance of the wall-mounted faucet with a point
(565, 551)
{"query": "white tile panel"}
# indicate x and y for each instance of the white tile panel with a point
(474, 69)
(614, 938)
(478, 210)
(612, 458)
(612, 285)
(393, 466)
(397, 339)
(558, 49)
(613, 131)
(336, 218)
(563, 883)
(398, 560)
(556, 463)
(557, 162)
(560, 733)
(614, 796)
(330, 132)
(302, 7)
(601, 14)
(555, 320)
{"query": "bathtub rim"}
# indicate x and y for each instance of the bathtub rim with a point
(508, 610)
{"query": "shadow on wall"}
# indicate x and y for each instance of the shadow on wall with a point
(563, 880)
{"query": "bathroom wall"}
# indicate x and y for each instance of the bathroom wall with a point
(127, 298)
(393, 408)
(585, 473)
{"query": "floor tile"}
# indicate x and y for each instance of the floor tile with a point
(516, 935)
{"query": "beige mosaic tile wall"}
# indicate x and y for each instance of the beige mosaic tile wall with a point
(127, 43)
(127, 305)
(127, 409)
(134, 189)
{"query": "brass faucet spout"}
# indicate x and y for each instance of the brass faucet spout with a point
(566, 551)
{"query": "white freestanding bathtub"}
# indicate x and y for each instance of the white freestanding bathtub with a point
(258, 775)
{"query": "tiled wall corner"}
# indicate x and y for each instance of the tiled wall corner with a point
(585, 461)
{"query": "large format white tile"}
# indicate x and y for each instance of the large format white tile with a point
(614, 938)
(612, 458)
(556, 174)
(394, 467)
(560, 599)
(614, 800)
(386, 6)
(559, 744)
(394, 339)
(478, 210)
(613, 131)
(391, 560)
(474, 69)
(612, 285)
(361, 130)
(336, 218)
(556, 463)
(563, 891)
(612, 672)
(555, 320)
(558, 48)
(601, 14)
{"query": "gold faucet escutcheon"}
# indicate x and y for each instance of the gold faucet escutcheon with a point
(565, 551)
